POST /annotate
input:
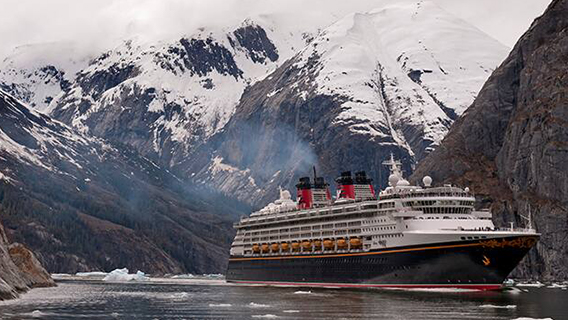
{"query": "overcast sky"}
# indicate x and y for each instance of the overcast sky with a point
(97, 23)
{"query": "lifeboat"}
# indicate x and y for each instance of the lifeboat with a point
(328, 244)
(317, 244)
(295, 246)
(355, 243)
(265, 248)
(341, 244)
(274, 247)
(255, 248)
(285, 246)
(307, 245)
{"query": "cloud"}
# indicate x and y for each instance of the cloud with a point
(98, 24)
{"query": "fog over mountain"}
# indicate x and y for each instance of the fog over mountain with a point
(99, 24)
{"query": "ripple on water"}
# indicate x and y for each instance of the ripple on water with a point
(258, 305)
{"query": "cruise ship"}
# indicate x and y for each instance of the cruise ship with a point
(405, 237)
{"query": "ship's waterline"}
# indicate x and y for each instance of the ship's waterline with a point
(411, 236)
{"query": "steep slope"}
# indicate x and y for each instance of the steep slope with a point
(82, 204)
(37, 74)
(166, 98)
(391, 80)
(511, 145)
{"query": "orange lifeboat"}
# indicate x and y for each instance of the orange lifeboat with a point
(275, 247)
(341, 244)
(328, 244)
(355, 243)
(265, 248)
(295, 246)
(285, 246)
(317, 244)
(307, 245)
(255, 248)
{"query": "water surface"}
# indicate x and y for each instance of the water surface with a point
(215, 299)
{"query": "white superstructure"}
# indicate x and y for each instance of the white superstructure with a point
(403, 215)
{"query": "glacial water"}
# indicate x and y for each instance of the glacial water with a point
(215, 299)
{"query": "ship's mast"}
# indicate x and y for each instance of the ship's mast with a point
(395, 166)
(529, 218)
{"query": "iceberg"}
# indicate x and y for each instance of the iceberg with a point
(118, 275)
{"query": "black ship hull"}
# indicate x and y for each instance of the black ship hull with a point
(479, 264)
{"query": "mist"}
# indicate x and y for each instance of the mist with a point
(99, 25)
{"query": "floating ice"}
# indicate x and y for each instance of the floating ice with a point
(180, 295)
(266, 316)
(35, 314)
(558, 286)
(291, 311)
(533, 284)
(219, 305)
(510, 306)
(258, 305)
(527, 318)
(183, 276)
(303, 292)
(123, 275)
(94, 274)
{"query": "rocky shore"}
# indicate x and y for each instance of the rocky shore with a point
(19, 269)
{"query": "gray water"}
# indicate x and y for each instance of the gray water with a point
(214, 299)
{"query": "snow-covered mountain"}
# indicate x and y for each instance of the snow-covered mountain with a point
(165, 98)
(38, 73)
(82, 204)
(406, 70)
(390, 80)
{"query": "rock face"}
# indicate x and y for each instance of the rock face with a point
(82, 204)
(511, 145)
(19, 269)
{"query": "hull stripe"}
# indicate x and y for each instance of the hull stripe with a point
(372, 285)
(360, 253)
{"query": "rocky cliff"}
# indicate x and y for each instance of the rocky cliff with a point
(19, 269)
(511, 145)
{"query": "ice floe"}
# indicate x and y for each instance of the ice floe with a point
(258, 305)
(291, 311)
(530, 284)
(265, 316)
(93, 274)
(123, 275)
(303, 292)
(509, 306)
(220, 305)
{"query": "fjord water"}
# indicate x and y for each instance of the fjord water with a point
(214, 299)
